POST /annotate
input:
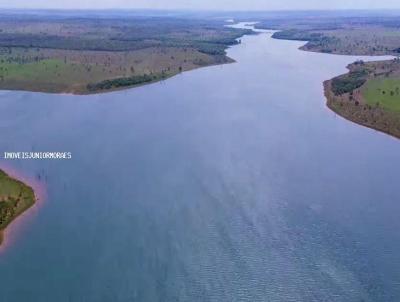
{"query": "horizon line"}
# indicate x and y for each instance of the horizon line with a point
(200, 9)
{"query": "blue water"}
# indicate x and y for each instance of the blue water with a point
(227, 183)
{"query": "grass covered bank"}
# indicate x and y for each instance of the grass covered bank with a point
(93, 54)
(368, 95)
(15, 198)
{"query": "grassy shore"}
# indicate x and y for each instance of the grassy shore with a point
(93, 54)
(15, 198)
(80, 72)
(368, 95)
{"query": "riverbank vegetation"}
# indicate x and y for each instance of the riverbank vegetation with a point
(88, 54)
(368, 95)
(15, 198)
(346, 33)
(349, 82)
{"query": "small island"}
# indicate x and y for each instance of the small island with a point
(15, 198)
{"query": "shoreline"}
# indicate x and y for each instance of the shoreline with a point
(346, 96)
(11, 231)
(352, 112)
(104, 91)
(86, 92)
(356, 113)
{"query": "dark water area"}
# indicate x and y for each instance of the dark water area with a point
(227, 183)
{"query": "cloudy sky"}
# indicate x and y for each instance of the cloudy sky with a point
(204, 4)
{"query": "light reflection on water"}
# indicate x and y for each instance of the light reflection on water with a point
(227, 183)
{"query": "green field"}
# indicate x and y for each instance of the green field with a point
(90, 54)
(73, 71)
(386, 91)
(15, 198)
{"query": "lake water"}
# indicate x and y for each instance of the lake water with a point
(227, 183)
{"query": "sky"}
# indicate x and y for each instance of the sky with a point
(204, 4)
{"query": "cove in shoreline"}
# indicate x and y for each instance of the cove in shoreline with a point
(351, 104)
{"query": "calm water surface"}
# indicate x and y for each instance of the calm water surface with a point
(228, 183)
